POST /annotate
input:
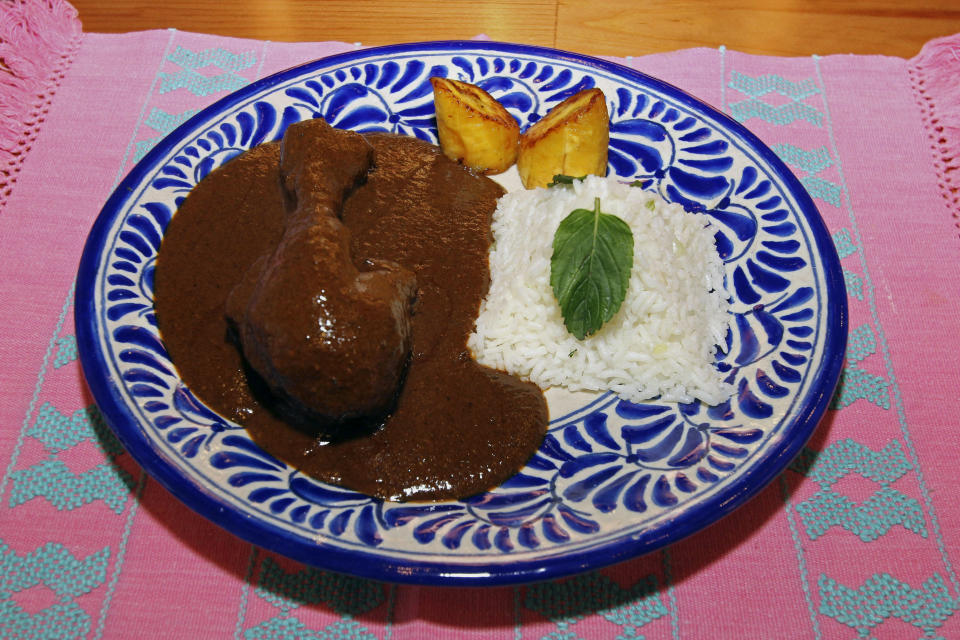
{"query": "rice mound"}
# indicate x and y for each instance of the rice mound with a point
(663, 340)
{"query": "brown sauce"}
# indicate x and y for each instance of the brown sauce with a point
(457, 428)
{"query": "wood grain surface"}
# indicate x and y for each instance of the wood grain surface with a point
(775, 27)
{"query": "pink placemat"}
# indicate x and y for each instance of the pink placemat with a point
(857, 539)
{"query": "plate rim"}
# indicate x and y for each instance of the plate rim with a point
(753, 480)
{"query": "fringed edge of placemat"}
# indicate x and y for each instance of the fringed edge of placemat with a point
(935, 74)
(38, 40)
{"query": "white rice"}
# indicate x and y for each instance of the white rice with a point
(663, 340)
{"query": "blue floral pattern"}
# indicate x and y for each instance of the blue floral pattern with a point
(607, 468)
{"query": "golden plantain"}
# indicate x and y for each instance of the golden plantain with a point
(473, 127)
(571, 139)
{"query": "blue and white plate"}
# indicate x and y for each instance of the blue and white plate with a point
(613, 479)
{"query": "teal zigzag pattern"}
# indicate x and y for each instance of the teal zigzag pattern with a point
(862, 344)
(876, 516)
(199, 84)
(780, 115)
(217, 57)
(567, 602)
(849, 456)
(66, 351)
(291, 628)
(854, 284)
(844, 243)
(813, 161)
(873, 518)
(347, 596)
(756, 86)
(755, 107)
(823, 189)
(53, 566)
(53, 480)
(203, 85)
(162, 122)
(59, 432)
(63, 621)
(855, 382)
(883, 597)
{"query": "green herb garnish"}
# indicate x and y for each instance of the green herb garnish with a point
(561, 179)
(590, 268)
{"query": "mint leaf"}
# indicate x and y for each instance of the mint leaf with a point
(590, 268)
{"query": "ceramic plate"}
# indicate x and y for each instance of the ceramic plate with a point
(613, 479)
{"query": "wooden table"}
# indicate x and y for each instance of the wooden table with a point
(774, 27)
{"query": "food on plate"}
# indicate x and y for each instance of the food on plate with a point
(661, 342)
(473, 127)
(456, 428)
(329, 338)
(571, 139)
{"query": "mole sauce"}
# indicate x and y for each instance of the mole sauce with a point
(458, 428)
